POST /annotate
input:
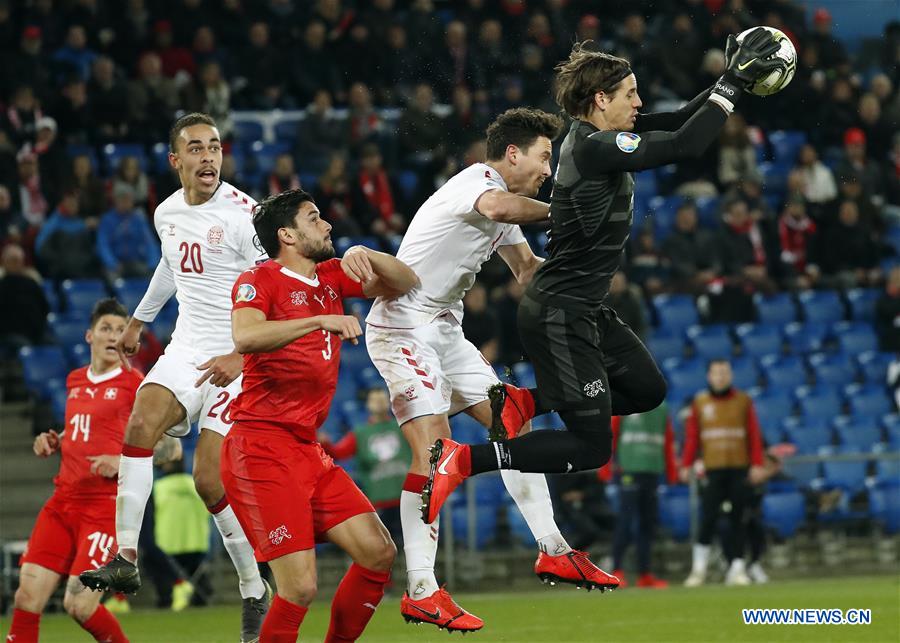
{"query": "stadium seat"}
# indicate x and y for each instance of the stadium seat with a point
(868, 401)
(855, 337)
(675, 312)
(468, 430)
(369, 378)
(784, 512)
(43, 367)
(80, 296)
(83, 149)
(675, 512)
(708, 211)
(518, 528)
(818, 405)
(759, 339)
(887, 473)
(778, 309)
(129, 292)
(58, 398)
(346, 390)
(265, 154)
(773, 406)
(68, 332)
(159, 159)
(354, 357)
(547, 422)
(744, 371)
(710, 342)
(345, 243)
(662, 213)
(664, 344)
(485, 528)
(113, 153)
(786, 145)
(49, 288)
(809, 436)
(833, 369)
(805, 474)
(77, 355)
(873, 366)
(858, 435)
(286, 130)
(688, 374)
(354, 413)
(408, 182)
(850, 476)
(523, 375)
(394, 243)
(805, 337)
(358, 306)
(247, 131)
(821, 306)
(783, 371)
(862, 303)
(884, 506)
(774, 174)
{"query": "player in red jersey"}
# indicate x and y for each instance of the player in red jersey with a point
(77, 525)
(288, 322)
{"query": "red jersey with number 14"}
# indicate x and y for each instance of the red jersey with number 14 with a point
(97, 410)
(291, 388)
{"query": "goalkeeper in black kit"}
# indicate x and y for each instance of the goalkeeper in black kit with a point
(588, 364)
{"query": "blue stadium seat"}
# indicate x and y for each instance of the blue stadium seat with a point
(369, 378)
(675, 312)
(467, 429)
(43, 367)
(58, 398)
(485, 525)
(408, 182)
(772, 406)
(675, 512)
(357, 306)
(786, 145)
(708, 211)
(850, 476)
(665, 344)
(354, 357)
(688, 374)
(808, 337)
(855, 337)
(710, 342)
(817, 405)
(862, 303)
(662, 213)
(247, 131)
(784, 512)
(759, 339)
(490, 490)
(834, 369)
(80, 296)
(778, 309)
(49, 288)
(286, 130)
(345, 243)
(884, 506)
(887, 473)
(679, 396)
(891, 236)
(805, 474)
(744, 371)
(78, 355)
(774, 174)
(821, 306)
(810, 437)
(68, 332)
(523, 375)
(859, 435)
(394, 243)
(547, 422)
(346, 390)
(873, 366)
(503, 373)
(129, 292)
(868, 401)
(113, 153)
(159, 159)
(83, 149)
(265, 154)
(354, 413)
(308, 180)
(519, 529)
(783, 371)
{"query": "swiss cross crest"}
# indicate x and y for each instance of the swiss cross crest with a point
(110, 393)
(215, 235)
(331, 292)
(73, 394)
(298, 298)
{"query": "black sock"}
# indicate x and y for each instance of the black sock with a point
(540, 452)
(484, 457)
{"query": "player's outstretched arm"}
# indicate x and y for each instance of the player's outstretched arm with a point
(521, 261)
(380, 274)
(253, 333)
(506, 207)
(160, 290)
(671, 121)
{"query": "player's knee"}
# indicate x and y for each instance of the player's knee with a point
(208, 484)
(140, 430)
(79, 606)
(382, 557)
(27, 600)
(299, 591)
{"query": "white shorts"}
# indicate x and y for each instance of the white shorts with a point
(207, 405)
(430, 370)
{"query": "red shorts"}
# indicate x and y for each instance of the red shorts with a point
(285, 493)
(73, 534)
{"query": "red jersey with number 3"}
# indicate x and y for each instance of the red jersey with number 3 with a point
(97, 410)
(291, 388)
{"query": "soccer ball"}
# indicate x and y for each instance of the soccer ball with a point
(781, 77)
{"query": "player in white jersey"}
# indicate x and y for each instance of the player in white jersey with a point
(208, 240)
(417, 344)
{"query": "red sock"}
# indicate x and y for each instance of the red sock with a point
(103, 626)
(282, 624)
(414, 482)
(24, 627)
(354, 603)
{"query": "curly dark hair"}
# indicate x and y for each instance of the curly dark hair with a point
(276, 212)
(586, 72)
(520, 127)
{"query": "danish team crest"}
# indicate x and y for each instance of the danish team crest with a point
(215, 235)
(298, 298)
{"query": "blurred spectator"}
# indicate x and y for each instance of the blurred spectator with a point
(423, 22)
(744, 249)
(153, 99)
(626, 300)
(206, 51)
(749, 189)
(634, 45)
(321, 134)
(848, 254)
(65, 243)
(74, 113)
(109, 98)
(283, 176)
(126, 244)
(356, 60)
(505, 301)
(90, 189)
(856, 162)
(691, 252)
(177, 62)
(315, 69)
(259, 82)
(535, 78)
(463, 124)
(876, 129)
(480, 325)
(492, 57)
(830, 49)
(887, 313)
(379, 17)
(74, 56)
(229, 170)
(711, 69)
(722, 424)
(28, 196)
(648, 267)
(892, 173)
(643, 450)
(398, 71)
(582, 509)
(364, 122)
(130, 174)
(684, 51)
(29, 65)
(837, 114)
(211, 95)
(52, 158)
(420, 131)
(737, 156)
(378, 192)
(20, 292)
(817, 180)
(797, 234)
(382, 457)
(336, 199)
(21, 116)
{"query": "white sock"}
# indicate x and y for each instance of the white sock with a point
(532, 497)
(241, 553)
(701, 558)
(420, 542)
(135, 487)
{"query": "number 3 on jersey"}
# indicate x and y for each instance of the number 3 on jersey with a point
(191, 253)
(327, 352)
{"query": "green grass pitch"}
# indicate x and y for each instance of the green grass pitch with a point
(563, 614)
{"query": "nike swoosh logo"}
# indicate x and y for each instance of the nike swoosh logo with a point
(442, 469)
(746, 64)
(436, 615)
(370, 606)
